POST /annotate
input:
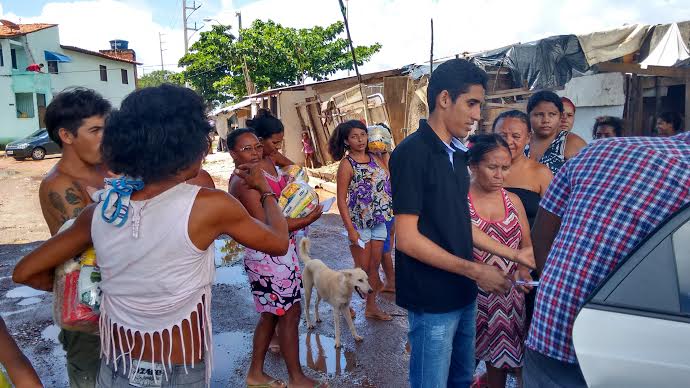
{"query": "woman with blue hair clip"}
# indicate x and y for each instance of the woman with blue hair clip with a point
(154, 239)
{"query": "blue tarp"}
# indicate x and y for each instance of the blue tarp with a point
(52, 56)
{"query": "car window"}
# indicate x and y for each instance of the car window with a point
(681, 248)
(656, 278)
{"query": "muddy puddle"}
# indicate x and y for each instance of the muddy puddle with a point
(232, 356)
(23, 292)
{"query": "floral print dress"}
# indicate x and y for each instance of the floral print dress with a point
(276, 281)
(369, 194)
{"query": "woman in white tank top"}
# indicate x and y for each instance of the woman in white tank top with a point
(154, 237)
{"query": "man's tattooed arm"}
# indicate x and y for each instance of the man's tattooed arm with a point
(61, 203)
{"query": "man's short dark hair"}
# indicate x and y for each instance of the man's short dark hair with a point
(544, 96)
(157, 132)
(613, 122)
(456, 76)
(673, 118)
(69, 107)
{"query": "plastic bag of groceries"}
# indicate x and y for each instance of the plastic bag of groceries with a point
(380, 139)
(77, 294)
(298, 199)
(295, 173)
(227, 251)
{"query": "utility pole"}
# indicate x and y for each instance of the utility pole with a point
(185, 17)
(362, 91)
(247, 79)
(160, 43)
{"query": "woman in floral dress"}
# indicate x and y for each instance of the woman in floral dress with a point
(276, 281)
(364, 201)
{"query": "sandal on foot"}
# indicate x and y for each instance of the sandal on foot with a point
(275, 383)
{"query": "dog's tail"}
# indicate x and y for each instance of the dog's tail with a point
(304, 248)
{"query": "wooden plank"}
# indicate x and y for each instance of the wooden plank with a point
(395, 97)
(321, 136)
(633, 68)
(638, 111)
(648, 82)
(495, 105)
(509, 93)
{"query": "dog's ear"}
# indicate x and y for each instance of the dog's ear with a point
(348, 274)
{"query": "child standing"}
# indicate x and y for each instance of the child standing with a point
(364, 201)
(308, 150)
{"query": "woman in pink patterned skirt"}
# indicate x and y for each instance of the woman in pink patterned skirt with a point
(501, 215)
(276, 281)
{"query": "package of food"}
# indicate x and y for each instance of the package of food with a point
(227, 252)
(380, 139)
(298, 199)
(295, 173)
(71, 288)
(4, 380)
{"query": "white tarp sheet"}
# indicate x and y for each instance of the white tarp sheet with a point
(669, 51)
(607, 45)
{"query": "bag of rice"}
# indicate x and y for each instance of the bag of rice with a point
(298, 199)
(295, 173)
(380, 139)
(76, 292)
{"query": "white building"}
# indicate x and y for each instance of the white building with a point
(24, 95)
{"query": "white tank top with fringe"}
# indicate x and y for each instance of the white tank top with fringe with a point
(154, 277)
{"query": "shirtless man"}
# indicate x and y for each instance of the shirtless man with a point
(75, 120)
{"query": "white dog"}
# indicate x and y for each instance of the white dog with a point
(335, 287)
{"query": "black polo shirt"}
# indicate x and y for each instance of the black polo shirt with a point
(425, 184)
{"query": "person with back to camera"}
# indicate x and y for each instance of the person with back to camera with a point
(154, 238)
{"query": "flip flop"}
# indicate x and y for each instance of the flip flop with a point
(275, 383)
(381, 316)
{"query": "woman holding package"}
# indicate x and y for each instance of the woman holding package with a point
(276, 281)
(154, 240)
(364, 202)
(500, 318)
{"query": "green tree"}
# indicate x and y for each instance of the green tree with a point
(275, 56)
(159, 77)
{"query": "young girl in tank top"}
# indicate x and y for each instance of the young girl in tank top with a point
(364, 201)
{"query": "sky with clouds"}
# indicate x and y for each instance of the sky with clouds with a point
(401, 26)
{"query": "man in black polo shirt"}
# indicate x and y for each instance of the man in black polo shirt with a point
(436, 277)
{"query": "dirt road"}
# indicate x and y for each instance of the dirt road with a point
(379, 361)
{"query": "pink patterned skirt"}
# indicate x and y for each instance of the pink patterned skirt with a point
(276, 281)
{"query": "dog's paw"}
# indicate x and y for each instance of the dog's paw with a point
(338, 345)
(318, 320)
(359, 338)
(310, 326)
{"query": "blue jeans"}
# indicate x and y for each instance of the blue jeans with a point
(442, 348)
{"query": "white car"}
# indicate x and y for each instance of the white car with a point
(634, 331)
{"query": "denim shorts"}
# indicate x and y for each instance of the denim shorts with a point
(387, 243)
(378, 232)
(177, 377)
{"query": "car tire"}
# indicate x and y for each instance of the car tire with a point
(38, 153)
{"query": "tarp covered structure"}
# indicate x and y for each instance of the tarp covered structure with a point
(670, 51)
(602, 46)
(546, 63)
